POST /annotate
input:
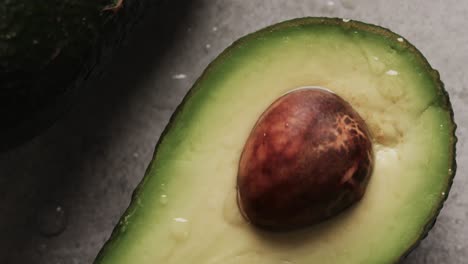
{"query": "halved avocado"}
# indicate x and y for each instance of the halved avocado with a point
(185, 209)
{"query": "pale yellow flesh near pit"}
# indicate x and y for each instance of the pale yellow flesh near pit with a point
(186, 212)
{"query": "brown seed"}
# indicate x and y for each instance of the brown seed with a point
(291, 176)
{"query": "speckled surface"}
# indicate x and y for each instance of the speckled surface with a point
(89, 162)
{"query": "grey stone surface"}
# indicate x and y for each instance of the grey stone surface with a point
(89, 162)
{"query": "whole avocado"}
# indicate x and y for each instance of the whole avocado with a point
(47, 49)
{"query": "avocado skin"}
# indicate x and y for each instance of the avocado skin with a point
(47, 50)
(119, 229)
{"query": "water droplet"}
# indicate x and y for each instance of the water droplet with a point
(264, 134)
(35, 41)
(391, 87)
(207, 47)
(346, 20)
(375, 65)
(51, 220)
(391, 72)
(400, 39)
(179, 76)
(10, 35)
(231, 212)
(163, 199)
(139, 203)
(136, 155)
(443, 193)
(214, 29)
(349, 4)
(286, 39)
(392, 51)
(329, 6)
(125, 220)
(180, 229)
(450, 170)
(287, 124)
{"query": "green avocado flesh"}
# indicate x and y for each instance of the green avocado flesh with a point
(185, 209)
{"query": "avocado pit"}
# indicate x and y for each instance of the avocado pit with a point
(308, 158)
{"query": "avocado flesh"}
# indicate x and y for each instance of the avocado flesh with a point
(185, 208)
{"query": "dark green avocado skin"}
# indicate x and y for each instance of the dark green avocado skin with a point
(47, 50)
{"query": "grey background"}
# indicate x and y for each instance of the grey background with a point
(89, 162)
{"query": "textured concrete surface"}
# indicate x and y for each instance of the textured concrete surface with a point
(62, 193)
